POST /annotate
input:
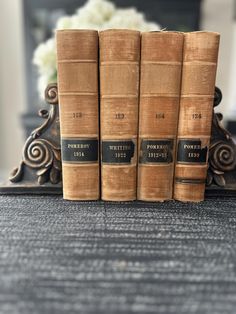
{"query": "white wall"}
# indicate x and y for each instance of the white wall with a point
(232, 83)
(217, 15)
(12, 83)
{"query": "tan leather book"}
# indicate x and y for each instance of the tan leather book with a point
(195, 118)
(161, 65)
(77, 65)
(119, 91)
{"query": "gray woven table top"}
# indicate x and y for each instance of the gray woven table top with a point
(96, 257)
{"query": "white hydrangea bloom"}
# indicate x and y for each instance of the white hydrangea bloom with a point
(43, 81)
(65, 22)
(95, 14)
(45, 57)
(150, 27)
(126, 18)
(77, 23)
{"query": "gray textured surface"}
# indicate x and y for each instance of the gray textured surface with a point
(95, 257)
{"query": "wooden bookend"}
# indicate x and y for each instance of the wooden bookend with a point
(221, 175)
(39, 171)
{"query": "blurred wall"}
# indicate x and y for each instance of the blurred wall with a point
(218, 16)
(232, 86)
(12, 84)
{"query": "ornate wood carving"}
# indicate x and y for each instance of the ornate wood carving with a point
(40, 168)
(221, 176)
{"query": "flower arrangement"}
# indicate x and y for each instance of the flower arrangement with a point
(95, 14)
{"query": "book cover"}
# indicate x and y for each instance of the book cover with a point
(77, 66)
(119, 92)
(161, 65)
(200, 56)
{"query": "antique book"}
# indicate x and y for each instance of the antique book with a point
(200, 56)
(161, 65)
(77, 66)
(119, 91)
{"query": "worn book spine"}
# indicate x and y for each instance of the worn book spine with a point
(77, 66)
(161, 65)
(200, 55)
(119, 92)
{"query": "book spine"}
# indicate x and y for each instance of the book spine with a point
(119, 91)
(77, 66)
(195, 118)
(161, 65)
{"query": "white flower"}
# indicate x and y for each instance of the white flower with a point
(45, 58)
(64, 22)
(43, 81)
(78, 23)
(95, 14)
(150, 26)
(126, 18)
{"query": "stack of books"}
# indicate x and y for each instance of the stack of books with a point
(135, 113)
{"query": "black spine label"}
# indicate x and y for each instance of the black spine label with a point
(156, 151)
(117, 152)
(191, 151)
(79, 150)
